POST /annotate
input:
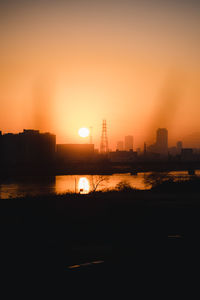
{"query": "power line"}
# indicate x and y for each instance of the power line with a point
(104, 138)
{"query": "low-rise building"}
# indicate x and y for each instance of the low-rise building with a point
(75, 152)
(123, 156)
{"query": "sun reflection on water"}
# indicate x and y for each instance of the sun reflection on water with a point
(83, 185)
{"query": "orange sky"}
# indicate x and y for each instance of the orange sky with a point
(64, 66)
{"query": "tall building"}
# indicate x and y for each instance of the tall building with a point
(162, 140)
(120, 146)
(38, 147)
(128, 143)
(29, 147)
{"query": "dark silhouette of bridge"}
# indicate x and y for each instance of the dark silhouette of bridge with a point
(158, 166)
(102, 167)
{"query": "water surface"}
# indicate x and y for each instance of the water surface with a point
(25, 186)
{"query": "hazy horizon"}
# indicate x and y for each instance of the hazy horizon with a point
(70, 64)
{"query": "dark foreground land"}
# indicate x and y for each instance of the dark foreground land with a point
(138, 237)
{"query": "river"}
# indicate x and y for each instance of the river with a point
(26, 186)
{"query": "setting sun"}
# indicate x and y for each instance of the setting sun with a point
(83, 132)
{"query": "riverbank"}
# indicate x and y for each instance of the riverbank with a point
(64, 235)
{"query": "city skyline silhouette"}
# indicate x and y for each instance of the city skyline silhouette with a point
(99, 148)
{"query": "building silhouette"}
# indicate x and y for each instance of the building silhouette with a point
(138, 150)
(179, 147)
(128, 143)
(74, 153)
(162, 140)
(120, 146)
(123, 156)
(187, 154)
(30, 148)
(161, 145)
